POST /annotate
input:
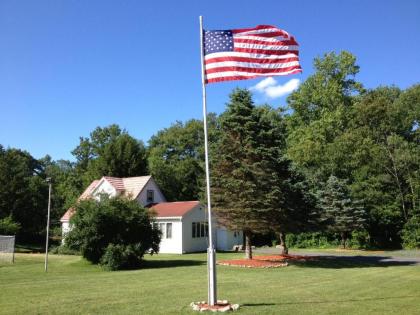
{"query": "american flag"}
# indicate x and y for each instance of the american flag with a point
(248, 53)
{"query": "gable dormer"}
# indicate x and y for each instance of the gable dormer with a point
(150, 193)
(106, 186)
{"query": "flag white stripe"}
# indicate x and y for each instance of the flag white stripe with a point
(244, 74)
(248, 55)
(262, 31)
(252, 65)
(266, 47)
(263, 39)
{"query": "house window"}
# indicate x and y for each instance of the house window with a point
(150, 196)
(162, 229)
(200, 229)
(168, 230)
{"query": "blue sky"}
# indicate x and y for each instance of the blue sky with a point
(69, 66)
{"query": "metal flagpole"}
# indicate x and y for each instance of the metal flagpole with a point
(211, 252)
(48, 223)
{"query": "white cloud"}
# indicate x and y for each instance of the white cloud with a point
(261, 86)
(271, 89)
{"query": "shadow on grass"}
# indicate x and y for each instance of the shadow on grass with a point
(334, 301)
(338, 262)
(152, 264)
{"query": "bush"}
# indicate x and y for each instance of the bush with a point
(122, 257)
(411, 233)
(8, 226)
(311, 240)
(63, 250)
(115, 232)
(359, 240)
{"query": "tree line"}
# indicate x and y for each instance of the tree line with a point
(339, 160)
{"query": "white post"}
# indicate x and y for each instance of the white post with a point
(211, 252)
(13, 255)
(48, 224)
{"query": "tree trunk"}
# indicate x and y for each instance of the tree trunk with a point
(394, 173)
(283, 247)
(248, 245)
(343, 239)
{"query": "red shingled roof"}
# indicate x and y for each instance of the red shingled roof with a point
(88, 190)
(85, 195)
(66, 216)
(174, 209)
(130, 186)
(116, 182)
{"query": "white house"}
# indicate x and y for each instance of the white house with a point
(183, 224)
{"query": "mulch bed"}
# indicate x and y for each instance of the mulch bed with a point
(267, 261)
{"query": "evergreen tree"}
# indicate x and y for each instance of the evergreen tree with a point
(237, 195)
(290, 207)
(341, 214)
(255, 188)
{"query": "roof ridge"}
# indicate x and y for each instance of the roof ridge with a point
(135, 176)
(180, 201)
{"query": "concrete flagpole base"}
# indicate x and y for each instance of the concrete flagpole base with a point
(220, 306)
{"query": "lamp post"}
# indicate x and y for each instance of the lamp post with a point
(48, 180)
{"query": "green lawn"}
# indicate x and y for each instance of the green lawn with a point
(169, 283)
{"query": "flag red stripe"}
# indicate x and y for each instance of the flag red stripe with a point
(251, 70)
(233, 78)
(257, 28)
(265, 51)
(268, 34)
(254, 60)
(261, 42)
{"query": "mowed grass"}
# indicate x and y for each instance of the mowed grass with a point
(169, 283)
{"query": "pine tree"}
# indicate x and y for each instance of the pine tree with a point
(238, 194)
(254, 187)
(341, 214)
(288, 203)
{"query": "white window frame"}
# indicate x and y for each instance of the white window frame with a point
(152, 192)
(164, 228)
(199, 229)
(168, 231)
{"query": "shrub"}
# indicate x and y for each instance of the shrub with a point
(311, 240)
(122, 257)
(63, 250)
(411, 233)
(8, 226)
(115, 232)
(360, 240)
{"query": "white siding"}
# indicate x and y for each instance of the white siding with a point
(158, 196)
(191, 244)
(227, 239)
(171, 245)
(65, 228)
(104, 187)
